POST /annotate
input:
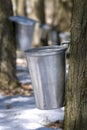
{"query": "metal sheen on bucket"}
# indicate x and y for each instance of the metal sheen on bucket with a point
(24, 31)
(47, 70)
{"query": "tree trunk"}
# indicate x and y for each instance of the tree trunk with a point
(62, 13)
(14, 3)
(38, 13)
(21, 7)
(8, 78)
(39, 9)
(76, 90)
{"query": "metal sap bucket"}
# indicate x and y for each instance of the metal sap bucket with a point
(53, 38)
(47, 70)
(65, 37)
(24, 31)
(44, 31)
(49, 35)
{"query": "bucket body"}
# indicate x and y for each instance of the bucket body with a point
(24, 31)
(24, 36)
(47, 70)
(44, 30)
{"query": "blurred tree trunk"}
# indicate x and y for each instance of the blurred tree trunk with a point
(14, 2)
(65, 15)
(8, 78)
(76, 90)
(21, 7)
(39, 10)
(62, 14)
(28, 7)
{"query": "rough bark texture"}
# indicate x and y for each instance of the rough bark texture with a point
(8, 78)
(76, 90)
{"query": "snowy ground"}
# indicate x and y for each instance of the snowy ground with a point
(20, 112)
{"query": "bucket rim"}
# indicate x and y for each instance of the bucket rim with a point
(46, 50)
(22, 20)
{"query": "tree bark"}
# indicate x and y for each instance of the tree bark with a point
(39, 9)
(21, 7)
(62, 15)
(76, 90)
(8, 79)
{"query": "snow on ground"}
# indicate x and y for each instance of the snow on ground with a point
(20, 113)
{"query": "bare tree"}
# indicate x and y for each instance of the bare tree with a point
(76, 90)
(8, 79)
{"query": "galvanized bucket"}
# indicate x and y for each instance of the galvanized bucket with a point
(47, 70)
(44, 30)
(49, 35)
(24, 31)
